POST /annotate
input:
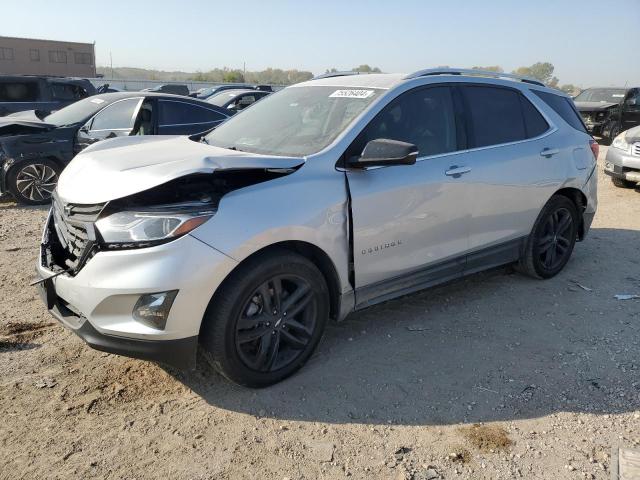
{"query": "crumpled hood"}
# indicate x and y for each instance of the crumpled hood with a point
(27, 119)
(120, 167)
(593, 106)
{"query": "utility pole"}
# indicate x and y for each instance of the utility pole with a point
(111, 62)
(244, 71)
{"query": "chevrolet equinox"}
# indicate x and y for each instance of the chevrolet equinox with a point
(327, 197)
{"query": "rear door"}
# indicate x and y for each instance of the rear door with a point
(515, 163)
(177, 117)
(115, 120)
(410, 223)
(17, 95)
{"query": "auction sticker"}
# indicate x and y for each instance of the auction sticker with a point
(97, 100)
(351, 94)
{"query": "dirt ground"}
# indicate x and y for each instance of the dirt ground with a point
(497, 376)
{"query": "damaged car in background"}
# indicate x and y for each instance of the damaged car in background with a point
(324, 198)
(608, 111)
(35, 148)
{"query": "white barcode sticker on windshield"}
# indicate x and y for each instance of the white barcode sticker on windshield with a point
(97, 100)
(618, 95)
(351, 94)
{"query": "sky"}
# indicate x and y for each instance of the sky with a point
(589, 42)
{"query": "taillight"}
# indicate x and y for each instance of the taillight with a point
(595, 148)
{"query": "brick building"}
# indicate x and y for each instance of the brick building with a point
(30, 56)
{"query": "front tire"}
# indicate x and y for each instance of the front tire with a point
(33, 182)
(267, 319)
(550, 244)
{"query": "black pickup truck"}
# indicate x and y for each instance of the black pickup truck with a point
(46, 94)
(609, 111)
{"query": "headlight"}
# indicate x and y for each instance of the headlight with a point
(145, 228)
(621, 143)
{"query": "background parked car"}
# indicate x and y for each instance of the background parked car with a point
(209, 92)
(173, 88)
(35, 149)
(609, 111)
(236, 100)
(622, 163)
(19, 93)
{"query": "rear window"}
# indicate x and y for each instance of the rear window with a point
(19, 92)
(495, 115)
(563, 107)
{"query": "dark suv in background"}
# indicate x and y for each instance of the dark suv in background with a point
(609, 111)
(19, 93)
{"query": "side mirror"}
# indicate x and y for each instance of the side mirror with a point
(84, 129)
(382, 152)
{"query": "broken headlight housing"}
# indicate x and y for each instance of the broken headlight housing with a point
(144, 228)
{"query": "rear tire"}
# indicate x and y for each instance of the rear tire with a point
(622, 183)
(550, 244)
(266, 320)
(33, 182)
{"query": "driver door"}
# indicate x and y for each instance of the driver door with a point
(115, 120)
(631, 110)
(410, 222)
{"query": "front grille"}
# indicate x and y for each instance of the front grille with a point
(73, 225)
(635, 149)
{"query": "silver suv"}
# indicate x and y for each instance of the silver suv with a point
(327, 197)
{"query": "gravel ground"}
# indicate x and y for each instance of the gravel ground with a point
(496, 376)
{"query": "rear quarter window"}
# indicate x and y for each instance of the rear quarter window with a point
(563, 107)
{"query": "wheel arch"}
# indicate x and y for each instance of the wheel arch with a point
(313, 253)
(579, 199)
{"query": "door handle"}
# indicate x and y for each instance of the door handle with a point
(549, 152)
(455, 171)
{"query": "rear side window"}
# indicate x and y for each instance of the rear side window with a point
(563, 107)
(18, 92)
(182, 113)
(495, 115)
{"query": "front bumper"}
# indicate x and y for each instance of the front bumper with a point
(622, 165)
(97, 303)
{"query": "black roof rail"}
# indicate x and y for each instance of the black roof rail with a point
(335, 74)
(468, 71)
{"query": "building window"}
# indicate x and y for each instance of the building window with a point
(83, 58)
(57, 56)
(6, 53)
(34, 54)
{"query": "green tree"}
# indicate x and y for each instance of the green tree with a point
(233, 76)
(366, 69)
(542, 71)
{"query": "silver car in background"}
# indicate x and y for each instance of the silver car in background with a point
(622, 163)
(327, 197)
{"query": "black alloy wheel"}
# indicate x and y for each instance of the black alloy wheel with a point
(550, 244)
(276, 323)
(265, 321)
(554, 242)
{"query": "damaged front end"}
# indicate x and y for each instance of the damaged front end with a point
(76, 232)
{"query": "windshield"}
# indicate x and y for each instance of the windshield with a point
(296, 121)
(608, 95)
(220, 99)
(76, 112)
